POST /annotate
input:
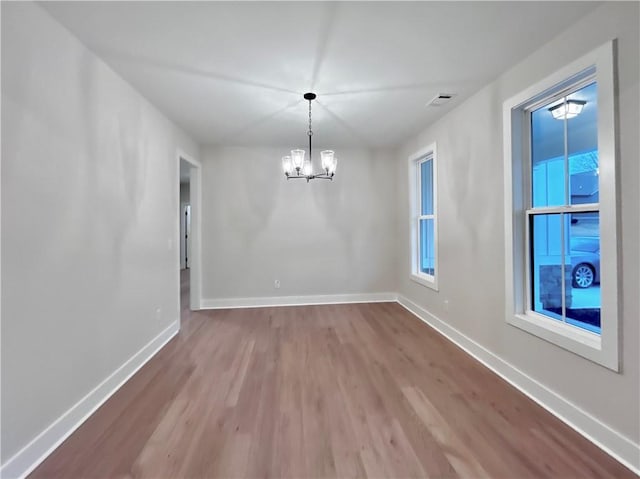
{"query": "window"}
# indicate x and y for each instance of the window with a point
(424, 230)
(563, 219)
(560, 197)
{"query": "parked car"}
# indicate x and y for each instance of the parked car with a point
(585, 261)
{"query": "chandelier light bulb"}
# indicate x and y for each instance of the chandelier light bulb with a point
(308, 168)
(333, 166)
(287, 165)
(327, 159)
(298, 158)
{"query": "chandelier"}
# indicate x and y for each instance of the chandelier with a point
(295, 166)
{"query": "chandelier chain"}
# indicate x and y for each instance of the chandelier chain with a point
(310, 132)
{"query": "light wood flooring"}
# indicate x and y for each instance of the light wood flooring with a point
(341, 391)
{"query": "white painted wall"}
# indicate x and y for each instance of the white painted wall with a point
(471, 225)
(320, 238)
(89, 233)
(184, 201)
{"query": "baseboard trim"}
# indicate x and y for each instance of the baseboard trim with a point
(612, 442)
(30, 456)
(233, 303)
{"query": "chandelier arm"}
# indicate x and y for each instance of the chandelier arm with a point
(322, 176)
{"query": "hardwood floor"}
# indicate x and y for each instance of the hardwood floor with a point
(362, 390)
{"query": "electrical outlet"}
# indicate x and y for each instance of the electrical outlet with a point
(276, 284)
(446, 305)
(158, 314)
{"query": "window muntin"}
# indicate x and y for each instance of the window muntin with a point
(423, 191)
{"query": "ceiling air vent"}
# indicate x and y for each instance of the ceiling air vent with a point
(440, 99)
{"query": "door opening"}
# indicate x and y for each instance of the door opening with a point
(185, 224)
(189, 233)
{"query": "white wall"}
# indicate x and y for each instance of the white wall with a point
(184, 201)
(89, 233)
(471, 225)
(320, 238)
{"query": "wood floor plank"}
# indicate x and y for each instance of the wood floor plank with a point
(336, 391)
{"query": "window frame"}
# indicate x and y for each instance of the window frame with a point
(415, 160)
(602, 349)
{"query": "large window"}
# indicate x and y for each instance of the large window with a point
(424, 237)
(563, 219)
(561, 209)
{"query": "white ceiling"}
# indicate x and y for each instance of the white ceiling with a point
(233, 73)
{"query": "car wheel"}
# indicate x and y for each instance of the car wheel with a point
(583, 276)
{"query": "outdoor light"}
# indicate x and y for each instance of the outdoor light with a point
(567, 109)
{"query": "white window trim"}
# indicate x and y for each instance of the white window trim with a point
(430, 281)
(602, 349)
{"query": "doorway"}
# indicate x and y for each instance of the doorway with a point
(188, 217)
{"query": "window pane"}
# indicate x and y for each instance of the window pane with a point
(584, 250)
(426, 181)
(427, 241)
(581, 272)
(546, 262)
(548, 157)
(582, 142)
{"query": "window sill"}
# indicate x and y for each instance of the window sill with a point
(425, 280)
(580, 342)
